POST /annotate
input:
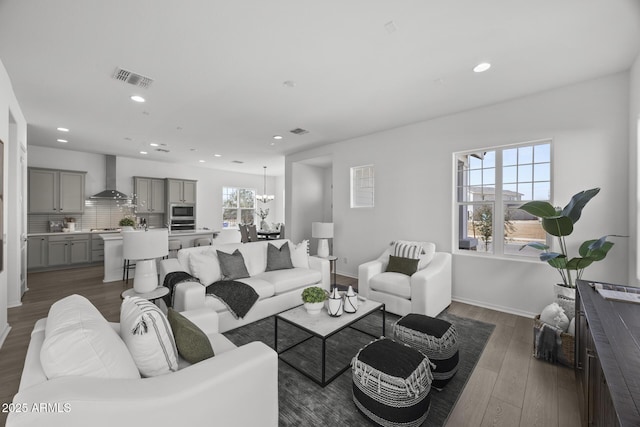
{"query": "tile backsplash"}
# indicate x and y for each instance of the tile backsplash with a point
(97, 214)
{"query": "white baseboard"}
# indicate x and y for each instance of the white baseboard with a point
(14, 304)
(495, 307)
(346, 275)
(4, 334)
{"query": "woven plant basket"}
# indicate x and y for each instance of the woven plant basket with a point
(566, 351)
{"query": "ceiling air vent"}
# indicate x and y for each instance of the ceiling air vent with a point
(299, 131)
(132, 78)
(237, 161)
(162, 150)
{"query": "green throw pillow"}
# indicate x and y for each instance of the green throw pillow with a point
(406, 266)
(193, 344)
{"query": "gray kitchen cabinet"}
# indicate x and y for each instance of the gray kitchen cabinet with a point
(56, 191)
(68, 249)
(181, 191)
(37, 251)
(97, 248)
(150, 194)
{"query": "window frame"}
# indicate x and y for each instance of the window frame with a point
(361, 189)
(238, 208)
(499, 202)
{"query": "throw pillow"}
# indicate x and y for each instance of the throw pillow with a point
(554, 315)
(278, 259)
(204, 265)
(402, 265)
(300, 254)
(232, 265)
(147, 333)
(80, 342)
(193, 344)
(407, 249)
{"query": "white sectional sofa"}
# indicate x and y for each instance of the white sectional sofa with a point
(215, 391)
(278, 290)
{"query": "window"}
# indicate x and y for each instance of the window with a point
(490, 185)
(238, 206)
(362, 186)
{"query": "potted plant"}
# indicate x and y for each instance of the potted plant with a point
(559, 223)
(127, 223)
(313, 298)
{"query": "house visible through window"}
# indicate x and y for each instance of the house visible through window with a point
(238, 206)
(490, 186)
(362, 186)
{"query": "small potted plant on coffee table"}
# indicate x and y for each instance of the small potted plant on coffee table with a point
(313, 298)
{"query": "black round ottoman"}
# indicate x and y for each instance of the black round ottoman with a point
(435, 338)
(391, 383)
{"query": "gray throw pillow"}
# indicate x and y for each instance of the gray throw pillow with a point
(278, 259)
(402, 265)
(232, 265)
(193, 344)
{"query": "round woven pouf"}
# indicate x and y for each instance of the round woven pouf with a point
(391, 383)
(435, 338)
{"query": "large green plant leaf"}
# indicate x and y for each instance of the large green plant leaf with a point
(535, 245)
(539, 209)
(560, 261)
(595, 250)
(578, 263)
(573, 210)
(558, 225)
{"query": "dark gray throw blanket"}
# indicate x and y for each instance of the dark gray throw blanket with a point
(237, 296)
(547, 340)
(171, 280)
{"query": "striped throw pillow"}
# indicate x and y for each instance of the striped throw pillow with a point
(147, 333)
(407, 250)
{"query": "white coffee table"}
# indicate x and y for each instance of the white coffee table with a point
(324, 326)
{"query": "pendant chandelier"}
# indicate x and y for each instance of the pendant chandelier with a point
(264, 197)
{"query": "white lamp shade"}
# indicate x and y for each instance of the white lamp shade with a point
(145, 246)
(322, 230)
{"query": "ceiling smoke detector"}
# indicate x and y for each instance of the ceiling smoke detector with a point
(299, 131)
(132, 78)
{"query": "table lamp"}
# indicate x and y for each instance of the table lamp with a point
(322, 231)
(145, 247)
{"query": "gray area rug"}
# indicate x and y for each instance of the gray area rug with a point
(303, 402)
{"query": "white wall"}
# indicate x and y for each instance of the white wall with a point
(634, 161)
(210, 181)
(11, 221)
(588, 123)
(307, 201)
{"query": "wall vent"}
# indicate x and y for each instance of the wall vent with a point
(132, 78)
(299, 131)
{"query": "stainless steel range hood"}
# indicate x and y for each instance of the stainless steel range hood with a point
(110, 192)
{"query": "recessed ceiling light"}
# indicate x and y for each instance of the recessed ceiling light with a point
(277, 136)
(143, 152)
(137, 98)
(153, 144)
(63, 129)
(483, 66)
(201, 161)
(64, 141)
(217, 155)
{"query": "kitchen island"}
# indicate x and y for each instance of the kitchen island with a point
(113, 250)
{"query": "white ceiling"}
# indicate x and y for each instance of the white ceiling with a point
(219, 68)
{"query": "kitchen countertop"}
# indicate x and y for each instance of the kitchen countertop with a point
(200, 232)
(60, 233)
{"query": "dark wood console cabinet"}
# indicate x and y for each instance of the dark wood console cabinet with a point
(607, 358)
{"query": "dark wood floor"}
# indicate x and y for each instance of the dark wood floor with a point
(507, 388)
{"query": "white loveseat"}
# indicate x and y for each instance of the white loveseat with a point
(427, 291)
(215, 391)
(278, 290)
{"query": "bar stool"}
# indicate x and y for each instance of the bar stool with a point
(145, 247)
(203, 241)
(174, 246)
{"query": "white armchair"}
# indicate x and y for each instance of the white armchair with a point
(427, 291)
